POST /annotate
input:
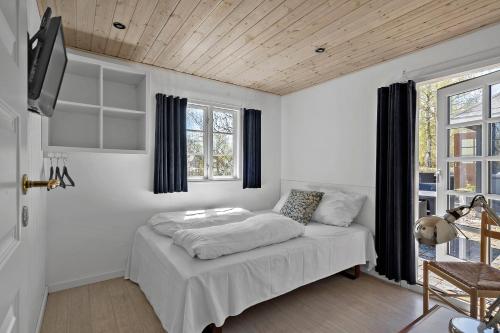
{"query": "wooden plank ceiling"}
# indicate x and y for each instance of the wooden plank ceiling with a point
(267, 44)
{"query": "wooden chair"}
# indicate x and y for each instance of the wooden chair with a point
(477, 279)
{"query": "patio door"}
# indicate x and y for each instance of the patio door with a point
(468, 157)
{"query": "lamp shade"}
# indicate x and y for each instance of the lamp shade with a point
(432, 230)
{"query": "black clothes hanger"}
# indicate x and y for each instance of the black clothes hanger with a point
(66, 174)
(59, 176)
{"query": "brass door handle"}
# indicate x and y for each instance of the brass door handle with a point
(49, 184)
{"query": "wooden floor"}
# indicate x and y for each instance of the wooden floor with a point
(334, 304)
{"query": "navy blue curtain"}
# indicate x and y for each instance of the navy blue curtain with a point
(170, 170)
(394, 241)
(251, 149)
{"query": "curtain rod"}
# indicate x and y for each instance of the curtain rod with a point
(462, 64)
(201, 101)
(215, 103)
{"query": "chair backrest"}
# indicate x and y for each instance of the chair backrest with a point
(486, 234)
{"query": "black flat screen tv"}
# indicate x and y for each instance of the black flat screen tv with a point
(47, 61)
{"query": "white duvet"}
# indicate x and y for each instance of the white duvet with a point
(169, 222)
(257, 231)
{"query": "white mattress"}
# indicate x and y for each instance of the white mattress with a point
(188, 293)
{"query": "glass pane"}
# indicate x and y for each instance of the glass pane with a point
(494, 137)
(464, 176)
(470, 224)
(195, 118)
(466, 249)
(466, 106)
(494, 177)
(223, 121)
(195, 155)
(495, 100)
(464, 141)
(473, 219)
(223, 164)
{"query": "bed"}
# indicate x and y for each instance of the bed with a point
(188, 293)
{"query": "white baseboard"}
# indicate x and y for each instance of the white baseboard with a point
(415, 288)
(42, 311)
(85, 280)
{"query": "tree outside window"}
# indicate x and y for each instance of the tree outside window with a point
(211, 142)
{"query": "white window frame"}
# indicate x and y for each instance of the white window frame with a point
(483, 83)
(208, 132)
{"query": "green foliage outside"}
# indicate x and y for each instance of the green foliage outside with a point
(222, 143)
(427, 111)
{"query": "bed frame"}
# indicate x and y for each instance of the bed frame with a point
(356, 272)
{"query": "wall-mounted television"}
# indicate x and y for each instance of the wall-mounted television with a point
(47, 61)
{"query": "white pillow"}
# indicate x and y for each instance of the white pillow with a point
(338, 208)
(281, 203)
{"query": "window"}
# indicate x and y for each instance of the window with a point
(212, 142)
(469, 114)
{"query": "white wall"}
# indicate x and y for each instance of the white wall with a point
(91, 226)
(329, 130)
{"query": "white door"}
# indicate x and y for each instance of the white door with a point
(468, 150)
(13, 163)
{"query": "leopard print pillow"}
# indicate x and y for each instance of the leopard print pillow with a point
(301, 205)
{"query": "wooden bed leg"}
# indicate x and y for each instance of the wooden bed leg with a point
(212, 329)
(356, 273)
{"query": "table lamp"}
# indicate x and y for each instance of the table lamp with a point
(433, 230)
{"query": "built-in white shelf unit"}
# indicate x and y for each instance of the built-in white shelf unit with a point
(101, 108)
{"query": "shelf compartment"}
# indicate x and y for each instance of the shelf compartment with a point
(81, 83)
(124, 90)
(102, 107)
(74, 126)
(124, 130)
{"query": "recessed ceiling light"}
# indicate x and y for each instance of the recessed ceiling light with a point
(119, 25)
(320, 50)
